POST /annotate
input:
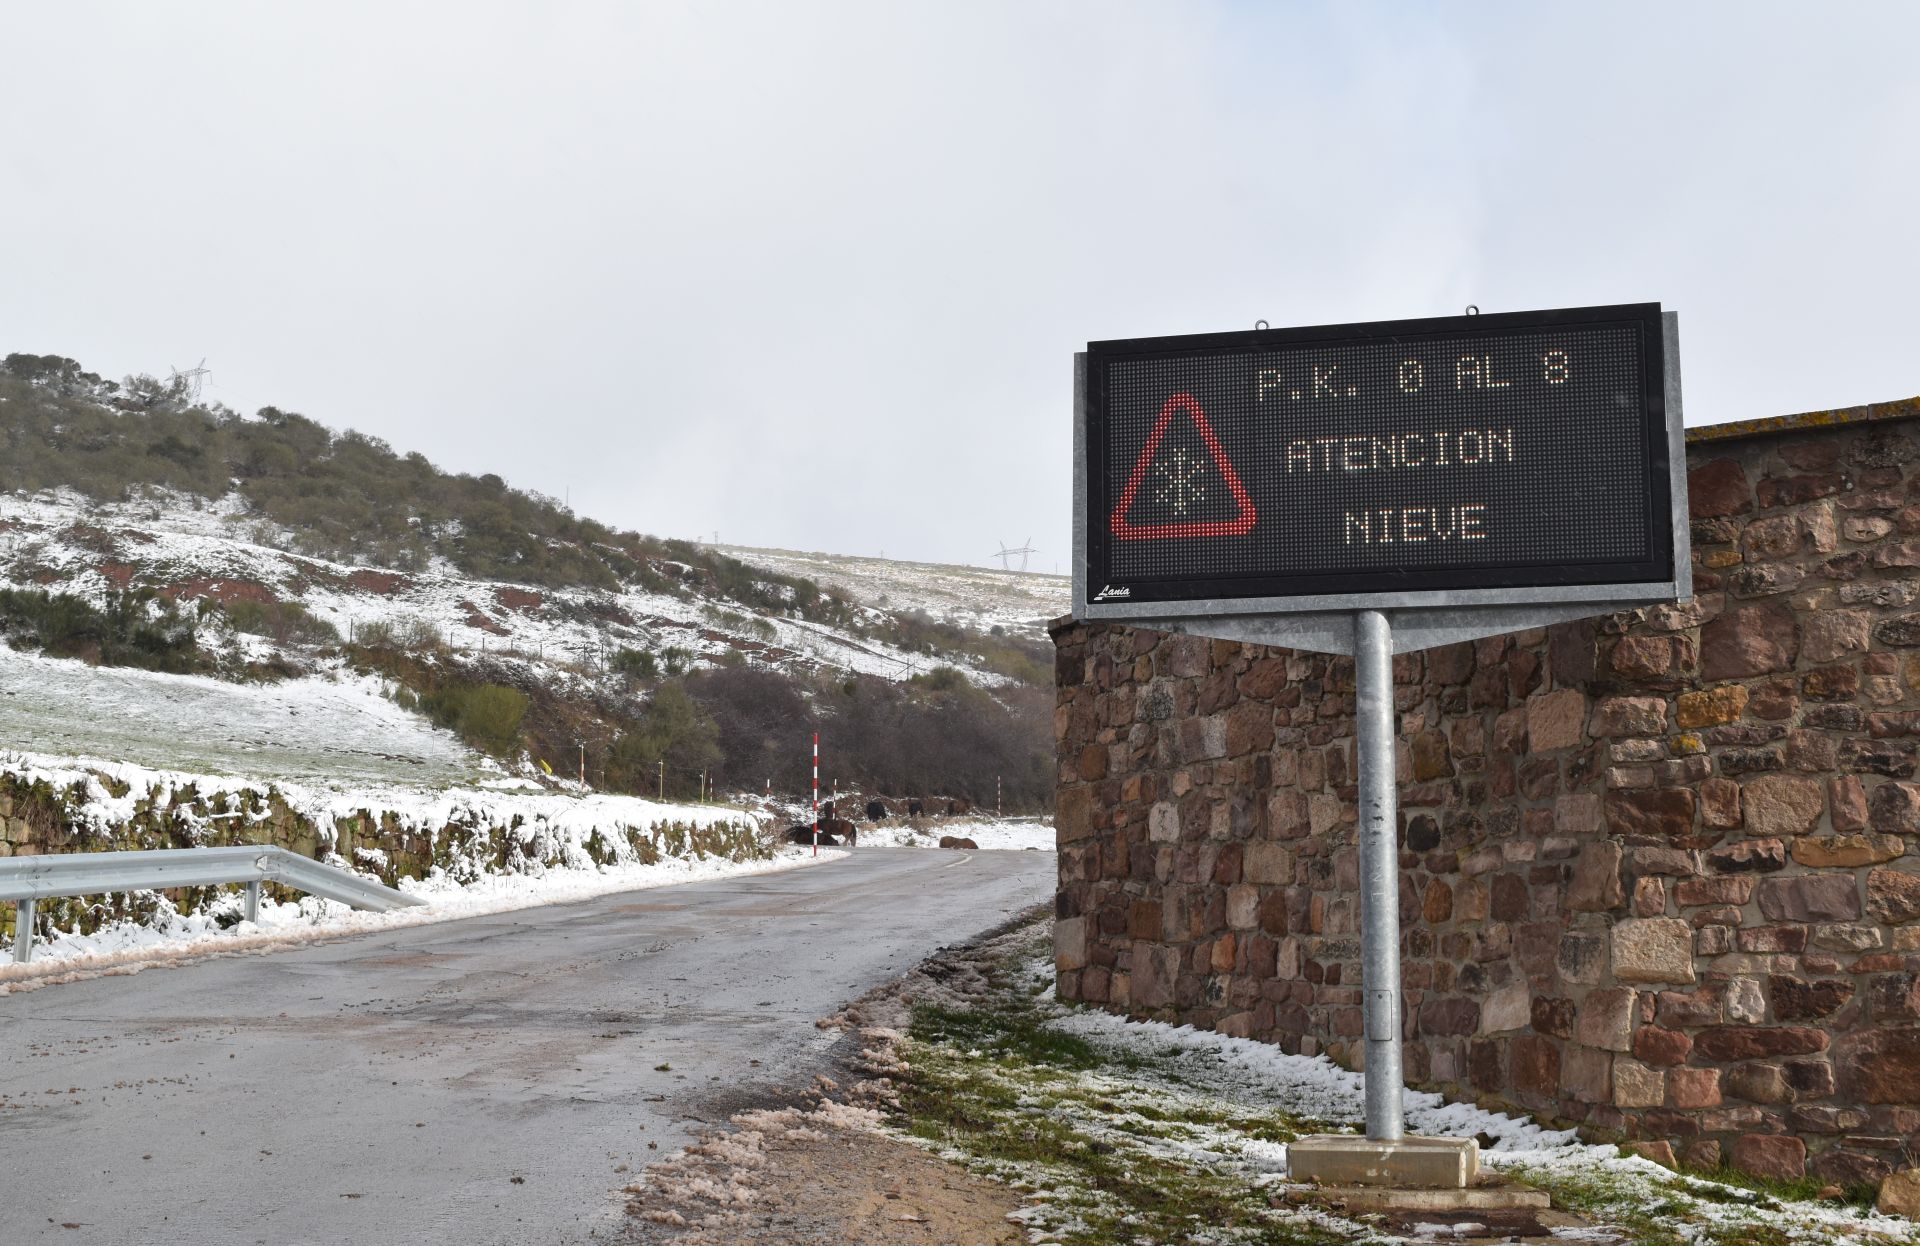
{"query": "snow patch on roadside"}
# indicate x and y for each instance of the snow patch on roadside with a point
(1005, 835)
(1311, 1087)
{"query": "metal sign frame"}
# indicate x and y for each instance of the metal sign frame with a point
(1422, 618)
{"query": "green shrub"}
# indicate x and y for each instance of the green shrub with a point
(673, 728)
(637, 665)
(284, 622)
(130, 629)
(487, 716)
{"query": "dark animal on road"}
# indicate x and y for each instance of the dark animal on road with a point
(957, 807)
(954, 841)
(914, 808)
(804, 835)
(876, 812)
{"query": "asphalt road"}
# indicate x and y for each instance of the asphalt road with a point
(477, 1081)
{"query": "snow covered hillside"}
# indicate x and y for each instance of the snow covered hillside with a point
(980, 598)
(200, 548)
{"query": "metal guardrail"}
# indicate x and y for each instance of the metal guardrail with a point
(26, 879)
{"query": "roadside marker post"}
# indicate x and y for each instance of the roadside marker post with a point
(816, 793)
(1373, 489)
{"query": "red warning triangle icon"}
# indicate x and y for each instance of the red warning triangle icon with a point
(1242, 523)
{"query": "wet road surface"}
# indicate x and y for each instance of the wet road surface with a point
(476, 1081)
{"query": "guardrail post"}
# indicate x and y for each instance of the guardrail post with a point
(253, 901)
(23, 932)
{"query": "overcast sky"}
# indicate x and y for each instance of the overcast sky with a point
(812, 274)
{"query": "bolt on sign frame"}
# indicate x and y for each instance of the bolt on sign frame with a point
(1372, 489)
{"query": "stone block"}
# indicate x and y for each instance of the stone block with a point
(1880, 1065)
(1577, 813)
(1583, 956)
(1757, 1083)
(1795, 999)
(1411, 1163)
(1748, 856)
(1825, 852)
(1553, 1016)
(1243, 906)
(1748, 641)
(1070, 944)
(1643, 657)
(1637, 1086)
(1696, 892)
(1653, 949)
(1718, 488)
(1725, 1044)
(1535, 1064)
(1555, 719)
(1693, 1089)
(1586, 1074)
(1710, 707)
(1653, 1044)
(1744, 1001)
(1893, 896)
(1509, 1008)
(1605, 1020)
(1830, 635)
(1894, 809)
(1163, 823)
(1268, 864)
(1810, 897)
(1596, 886)
(1720, 806)
(1659, 813)
(1073, 814)
(1660, 1152)
(1634, 716)
(1847, 803)
(1783, 805)
(1778, 1157)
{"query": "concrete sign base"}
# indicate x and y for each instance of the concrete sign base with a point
(1409, 1163)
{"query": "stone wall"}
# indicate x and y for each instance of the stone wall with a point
(1660, 872)
(102, 813)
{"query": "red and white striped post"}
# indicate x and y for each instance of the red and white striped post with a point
(816, 793)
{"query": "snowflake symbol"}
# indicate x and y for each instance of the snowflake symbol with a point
(1179, 477)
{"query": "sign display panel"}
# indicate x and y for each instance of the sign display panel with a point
(1466, 453)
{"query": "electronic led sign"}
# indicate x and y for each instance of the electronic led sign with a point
(1440, 460)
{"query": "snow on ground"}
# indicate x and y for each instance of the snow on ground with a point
(334, 728)
(975, 597)
(126, 947)
(60, 537)
(1314, 1089)
(1308, 1087)
(547, 823)
(1014, 833)
(551, 865)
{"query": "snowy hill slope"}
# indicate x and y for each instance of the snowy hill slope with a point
(337, 723)
(332, 730)
(977, 598)
(192, 547)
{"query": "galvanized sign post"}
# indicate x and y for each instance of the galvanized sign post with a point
(1376, 489)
